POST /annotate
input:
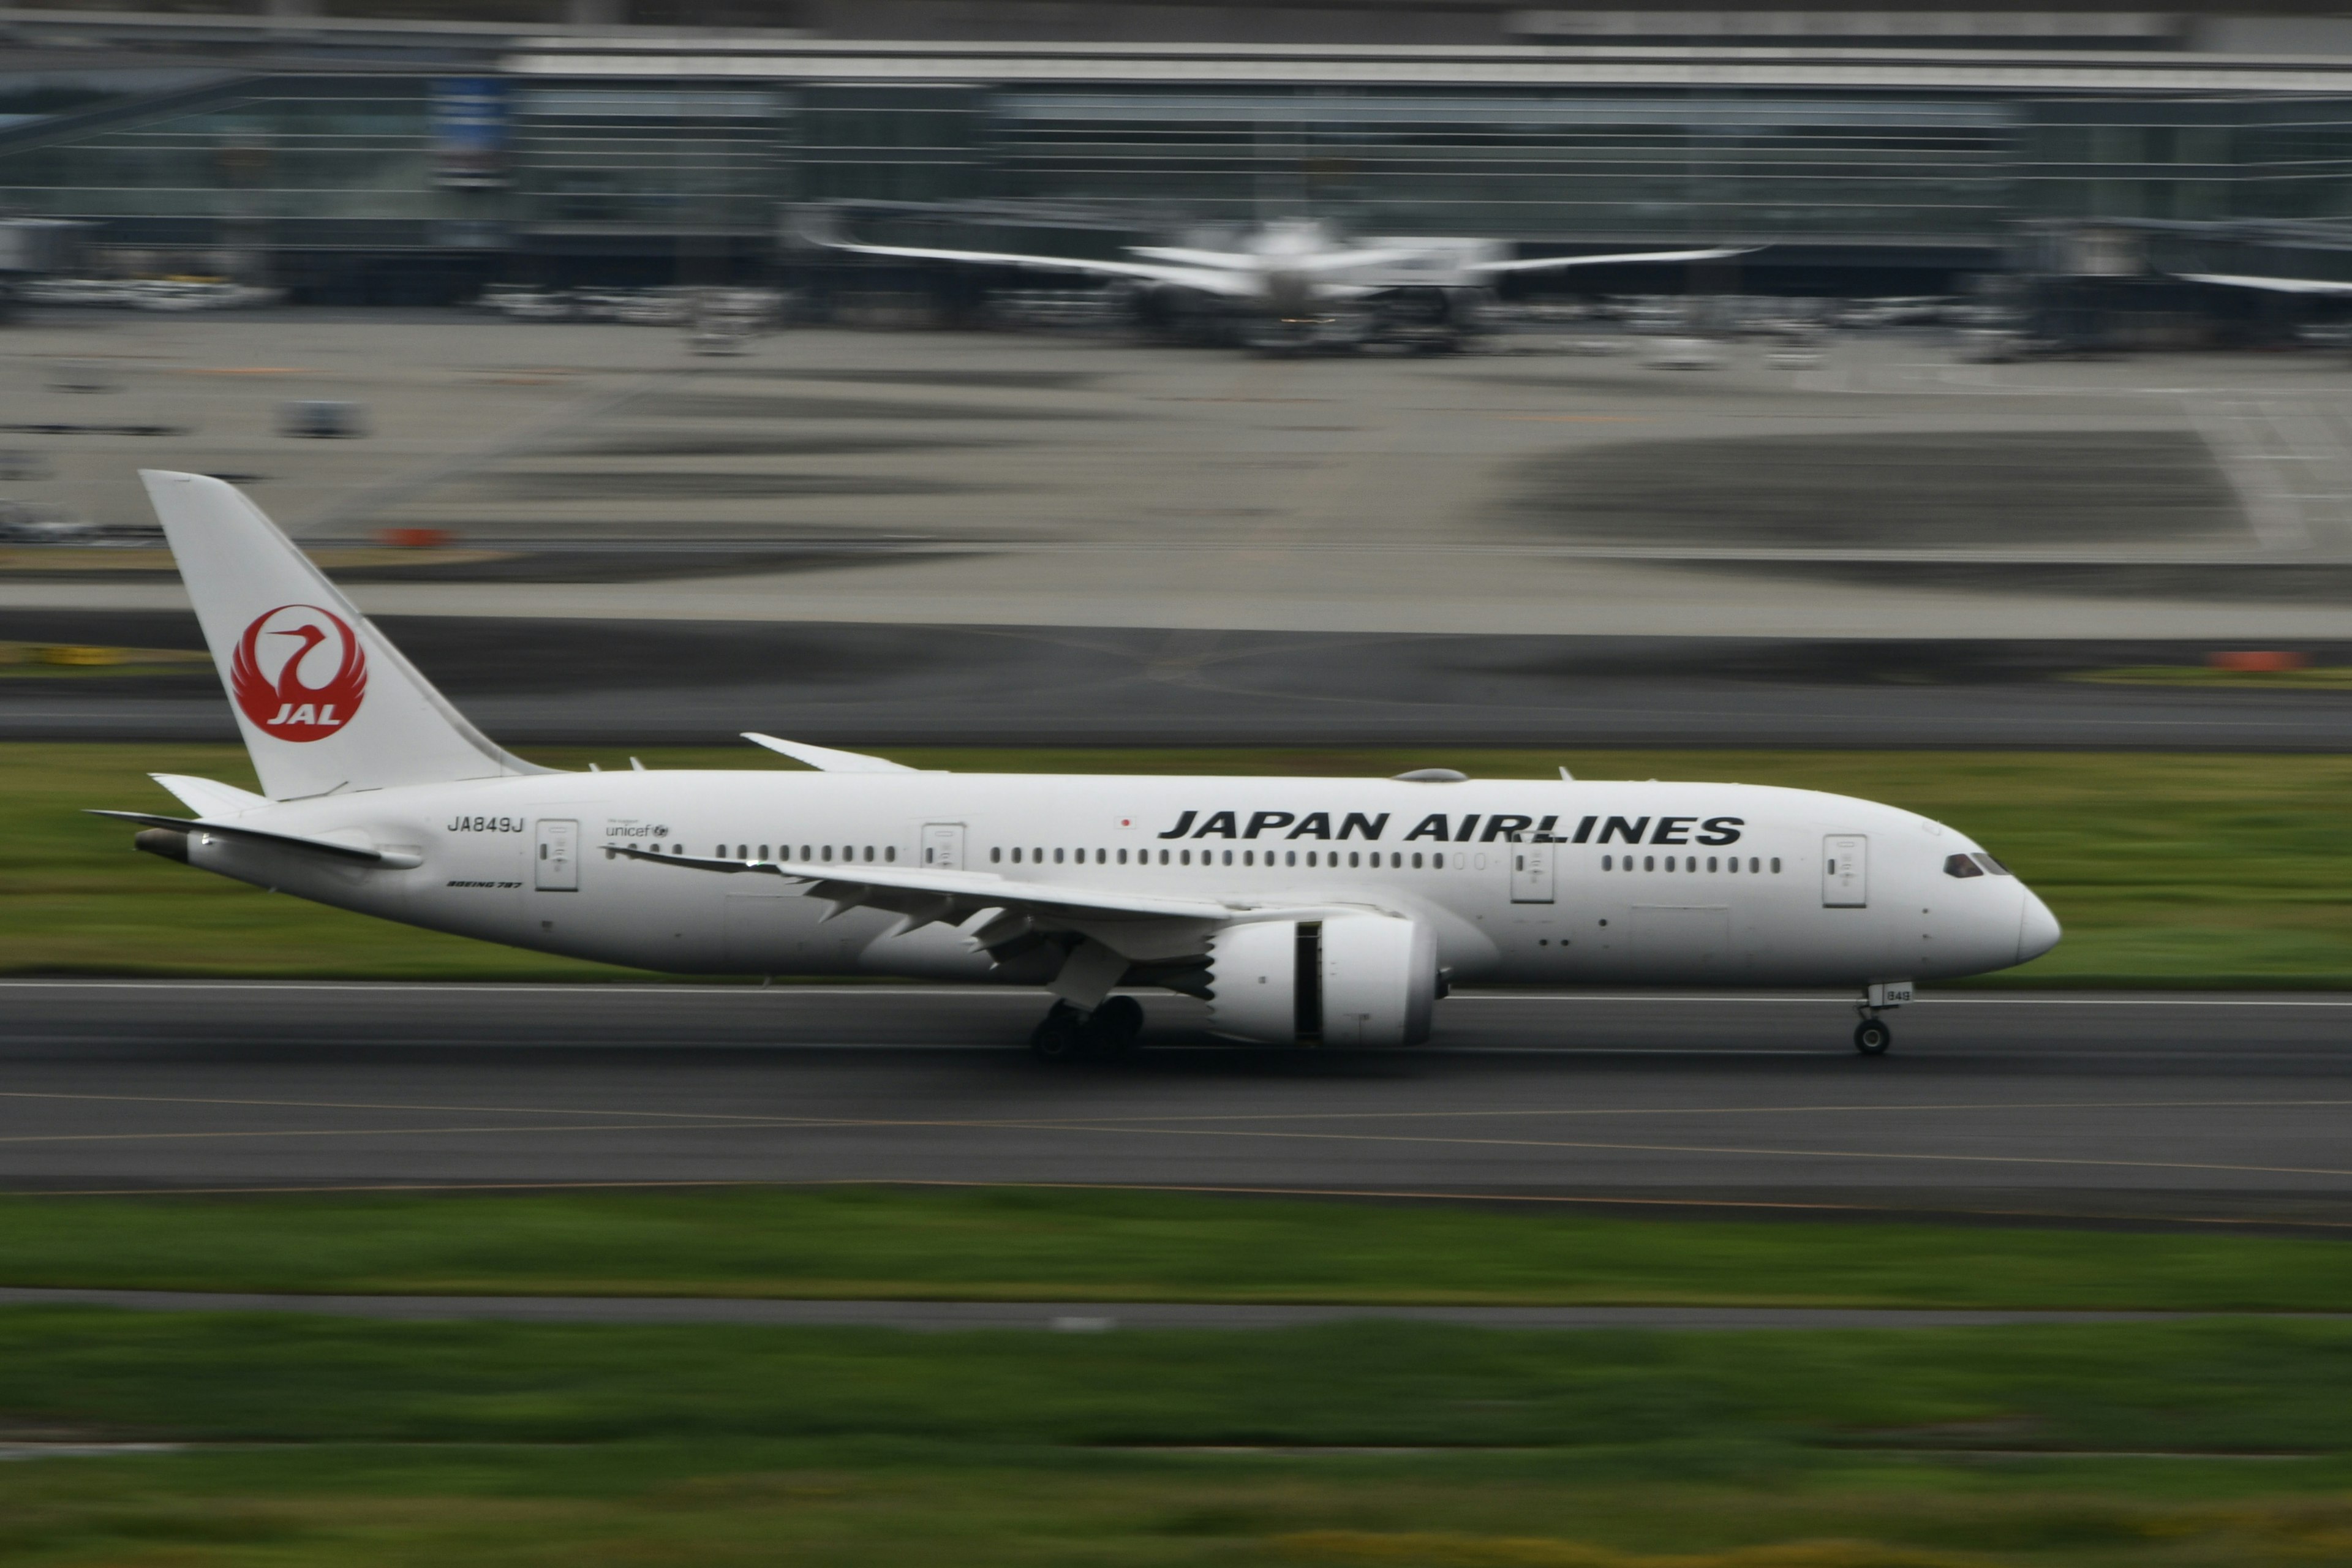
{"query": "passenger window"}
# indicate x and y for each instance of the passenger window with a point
(1649, 862)
(1962, 865)
(1102, 857)
(1355, 860)
(1163, 856)
(1710, 862)
(1290, 858)
(1016, 855)
(1229, 857)
(1186, 857)
(995, 857)
(1122, 856)
(1057, 857)
(1609, 862)
(1776, 865)
(763, 852)
(889, 853)
(869, 854)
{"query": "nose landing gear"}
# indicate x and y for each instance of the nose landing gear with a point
(1872, 1036)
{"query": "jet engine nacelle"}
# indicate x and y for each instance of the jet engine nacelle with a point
(1350, 980)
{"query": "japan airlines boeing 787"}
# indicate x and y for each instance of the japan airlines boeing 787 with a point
(1302, 910)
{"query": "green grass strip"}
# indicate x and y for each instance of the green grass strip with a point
(1063, 1244)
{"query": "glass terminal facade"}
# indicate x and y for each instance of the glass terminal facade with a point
(354, 162)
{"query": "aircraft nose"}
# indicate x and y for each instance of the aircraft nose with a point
(2037, 928)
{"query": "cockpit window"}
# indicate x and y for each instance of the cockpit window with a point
(1992, 865)
(1962, 865)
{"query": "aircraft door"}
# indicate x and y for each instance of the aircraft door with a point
(555, 868)
(943, 846)
(1845, 872)
(1531, 875)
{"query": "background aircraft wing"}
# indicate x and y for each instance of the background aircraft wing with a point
(1209, 280)
(2272, 284)
(1554, 263)
(1185, 256)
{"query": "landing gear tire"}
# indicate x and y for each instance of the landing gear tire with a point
(1112, 1029)
(1060, 1036)
(1872, 1036)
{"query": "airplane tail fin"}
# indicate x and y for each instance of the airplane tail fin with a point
(323, 700)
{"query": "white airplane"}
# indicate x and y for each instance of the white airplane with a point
(1335, 911)
(1296, 274)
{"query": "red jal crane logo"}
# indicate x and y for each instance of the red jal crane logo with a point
(277, 652)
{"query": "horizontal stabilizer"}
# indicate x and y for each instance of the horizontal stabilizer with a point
(394, 859)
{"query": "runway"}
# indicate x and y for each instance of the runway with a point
(550, 681)
(2192, 1109)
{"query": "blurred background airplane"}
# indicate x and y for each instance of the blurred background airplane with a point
(1298, 283)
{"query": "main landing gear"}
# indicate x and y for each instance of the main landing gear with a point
(1065, 1034)
(1872, 1035)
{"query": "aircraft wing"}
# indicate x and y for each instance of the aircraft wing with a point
(825, 758)
(936, 895)
(1553, 263)
(2271, 285)
(1209, 280)
(398, 859)
(1304, 262)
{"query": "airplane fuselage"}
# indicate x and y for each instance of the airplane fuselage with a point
(1518, 881)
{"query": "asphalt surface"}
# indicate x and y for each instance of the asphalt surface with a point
(992, 479)
(556, 681)
(2129, 1108)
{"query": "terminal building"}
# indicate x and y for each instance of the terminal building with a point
(379, 153)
